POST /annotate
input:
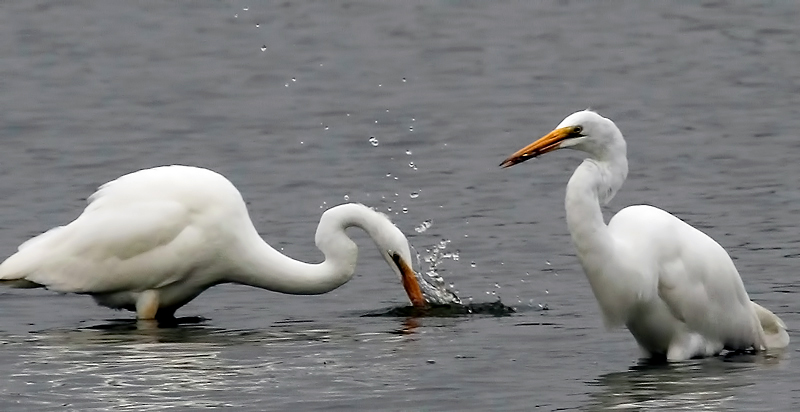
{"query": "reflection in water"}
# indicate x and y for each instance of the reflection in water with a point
(123, 365)
(708, 384)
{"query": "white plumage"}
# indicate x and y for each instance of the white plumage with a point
(153, 240)
(675, 288)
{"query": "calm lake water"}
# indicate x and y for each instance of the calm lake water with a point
(283, 98)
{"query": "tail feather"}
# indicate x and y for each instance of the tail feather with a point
(20, 284)
(775, 336)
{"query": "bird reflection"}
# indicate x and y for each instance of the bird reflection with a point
(709, 384)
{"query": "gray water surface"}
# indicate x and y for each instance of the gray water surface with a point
(707, 94)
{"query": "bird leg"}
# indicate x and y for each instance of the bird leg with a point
(147, 304)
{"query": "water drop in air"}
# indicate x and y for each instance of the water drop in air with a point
(245, 8)
(236, 16)
(412, 165)
(408, 152)
(258, 25)
(388, 175)
(414, 195)
(294, 79)
(346, 198)
(264, 48)
(405, 209)
(411, 128)
(424, 226)
(497, 285)
(473, 264)
(373, 140)
(404, 79)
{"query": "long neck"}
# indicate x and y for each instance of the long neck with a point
(262, 266)
(594, 182)
(588, 186)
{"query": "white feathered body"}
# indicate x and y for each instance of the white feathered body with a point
(676, 289)
(153, 229)
(688, 296)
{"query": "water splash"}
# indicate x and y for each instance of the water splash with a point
(431, 282)
(373, 140)
(423, 226)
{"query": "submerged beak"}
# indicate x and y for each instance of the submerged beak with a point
(410, 282)
(548, 143)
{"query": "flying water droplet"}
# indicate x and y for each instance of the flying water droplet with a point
(410, 128)
(473, 264)
(456, 255)
(388, 175)
(497, 285)
(258, 25)
(412, 165)
(245, 8)
(405, 209)
(346, 198)
(326, 127)
(404, 79)
(236, 16)
(414, 195)
(373, 140)
(424, 226)
(264, 48)
(294, 79)
(408, 152)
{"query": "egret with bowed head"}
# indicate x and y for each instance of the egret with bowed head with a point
(153, 240)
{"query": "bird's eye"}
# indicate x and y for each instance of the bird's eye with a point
(577, 129)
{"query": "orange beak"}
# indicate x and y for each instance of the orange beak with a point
(548, 143)
(410, 282)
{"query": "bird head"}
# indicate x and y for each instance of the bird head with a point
(585, 130)
(396, 251)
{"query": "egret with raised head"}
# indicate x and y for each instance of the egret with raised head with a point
(671, 285)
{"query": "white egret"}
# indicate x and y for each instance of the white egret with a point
(152, 240)
(671, 285)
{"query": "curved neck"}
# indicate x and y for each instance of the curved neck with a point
(262, 266)
(595, 182)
